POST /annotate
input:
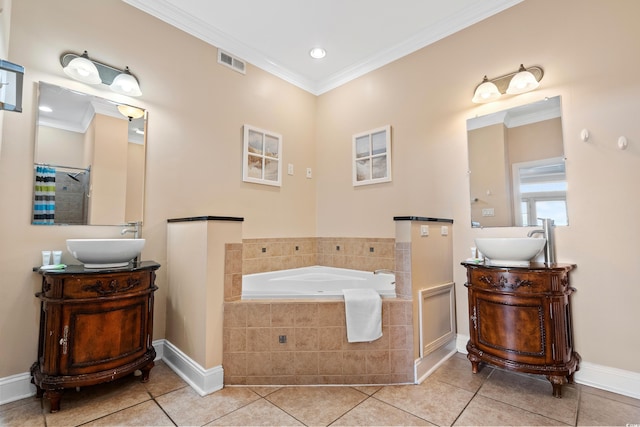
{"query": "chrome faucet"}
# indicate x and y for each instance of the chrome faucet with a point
(384, 270)
(549, 246)
(133, 227)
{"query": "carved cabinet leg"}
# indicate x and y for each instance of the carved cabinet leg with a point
(475, 362)
(145, 372)
(557, 381)
(53, 396)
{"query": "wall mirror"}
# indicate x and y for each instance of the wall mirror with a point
(89, 159)
(517, 167)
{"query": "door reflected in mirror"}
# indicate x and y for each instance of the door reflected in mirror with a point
(517, 167)
(89, 161)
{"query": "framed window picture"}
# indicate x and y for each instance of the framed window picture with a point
(262, 154)
(372, 156)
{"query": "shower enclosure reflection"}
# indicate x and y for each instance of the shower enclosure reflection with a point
(89, 160)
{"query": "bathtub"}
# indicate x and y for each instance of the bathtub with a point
(314, 282)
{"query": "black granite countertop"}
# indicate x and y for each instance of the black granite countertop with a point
(206, 218)
(80, 269)
(540, 266)
(421, 218)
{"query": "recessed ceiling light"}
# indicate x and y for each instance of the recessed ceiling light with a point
(317, 53)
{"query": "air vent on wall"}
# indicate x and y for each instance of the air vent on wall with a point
(231, 61)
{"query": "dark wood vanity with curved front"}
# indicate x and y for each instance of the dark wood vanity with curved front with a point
(520, 320)
(95, 326)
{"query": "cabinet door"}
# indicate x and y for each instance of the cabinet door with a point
(103, 335)
(511, 327)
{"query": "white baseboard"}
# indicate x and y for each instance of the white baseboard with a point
(203, 381)
(426, 365)
(16, 387)
(610, 379)
(614, 380)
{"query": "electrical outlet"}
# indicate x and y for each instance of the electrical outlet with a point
(309, 175)
(290, 168)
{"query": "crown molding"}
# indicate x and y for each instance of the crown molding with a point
(196, 27)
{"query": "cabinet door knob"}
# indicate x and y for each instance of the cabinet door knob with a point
(65, 339)
(474, 318)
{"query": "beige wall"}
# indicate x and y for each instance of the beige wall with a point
(426, 98)
(5, 27)
(135, 182)
(194, 154)
(489, 180)
(535, 141)
(60, 147)
(107, 202)
(196, 115)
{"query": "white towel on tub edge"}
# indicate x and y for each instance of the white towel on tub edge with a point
(363, 309)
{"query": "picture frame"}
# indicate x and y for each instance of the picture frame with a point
(372, 156)
(262, 156)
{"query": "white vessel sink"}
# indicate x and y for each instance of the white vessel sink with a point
(510, 251)
(105, 253)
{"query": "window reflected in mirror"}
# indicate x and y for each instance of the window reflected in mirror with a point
(89, 159)
(516, 166)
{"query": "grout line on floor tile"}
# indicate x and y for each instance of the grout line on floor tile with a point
(285, 411)
(475, 393)
(579, 389)
(351, 409)
(403, 410)
(165, 412)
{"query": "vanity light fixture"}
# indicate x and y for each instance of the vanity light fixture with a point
(86, 70)
(486, 92)
(317, 53)
(126, 84)
(521, 81)
(82, 69)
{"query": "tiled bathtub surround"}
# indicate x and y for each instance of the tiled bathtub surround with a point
(316, 350)
(366, 254)
(262, 255)
(403, 270)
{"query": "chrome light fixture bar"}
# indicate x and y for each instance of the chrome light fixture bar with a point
(84, 69)
(521, 81)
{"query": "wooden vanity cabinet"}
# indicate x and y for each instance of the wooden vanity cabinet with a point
(520, 320)
(95, 326)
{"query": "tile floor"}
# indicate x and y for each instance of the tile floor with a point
(451, 396)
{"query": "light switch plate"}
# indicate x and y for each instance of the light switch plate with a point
(488, 212)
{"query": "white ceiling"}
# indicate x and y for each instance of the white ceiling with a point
(358, 35)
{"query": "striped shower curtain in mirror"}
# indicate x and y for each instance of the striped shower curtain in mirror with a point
(44, 204)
